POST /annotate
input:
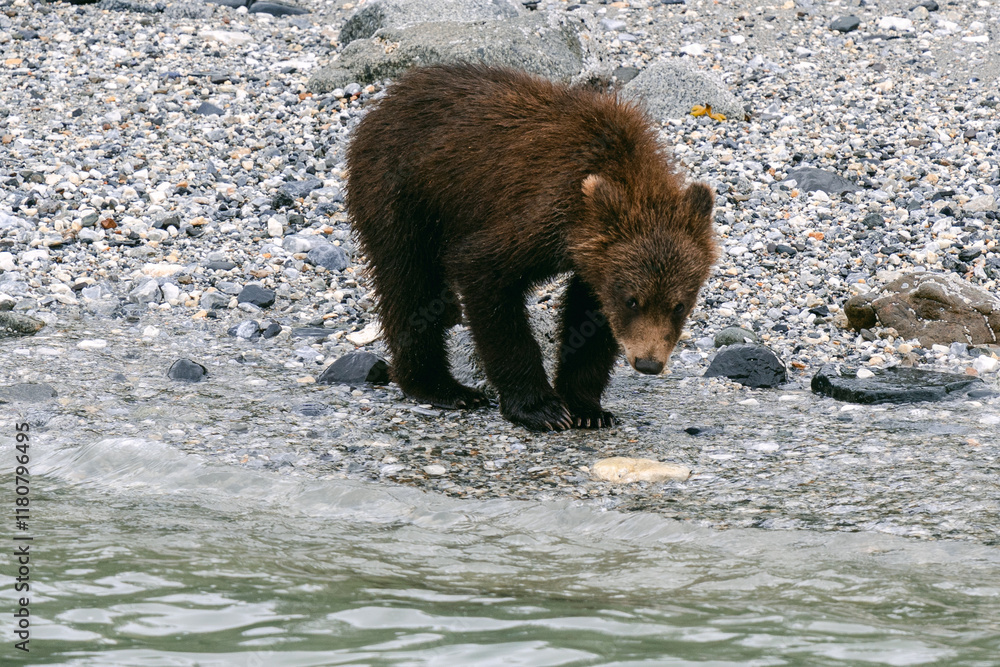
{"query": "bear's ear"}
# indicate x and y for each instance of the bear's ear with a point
(603, 198)
(590, 185)
(701, 199)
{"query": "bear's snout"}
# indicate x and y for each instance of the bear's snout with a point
(648, 366)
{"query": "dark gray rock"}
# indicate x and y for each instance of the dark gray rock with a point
(27, 392)
(377, 14)
(783, 249)
(809, 179)
(311, 332)
(220, 265)
(356, 368)
(310, 409)
(894, 385)
(187, 370)
(873, 221)
(18, 324)
(750, 365)
(146, 292)
(256, 295)
(282, 199)
(670, 87)
(527, 42)
(935, 308)
(734, 336)
(625, 74)
(329, 256)
(208, 109)
(276, 9)
(213, 301)
(272, 330)
(298, 189)
(248, 330)
(845, 23)
(703, 430)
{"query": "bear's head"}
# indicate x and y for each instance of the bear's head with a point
(646, 257)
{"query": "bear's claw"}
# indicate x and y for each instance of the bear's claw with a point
(547, 413)
(598, 419)
(457, 397)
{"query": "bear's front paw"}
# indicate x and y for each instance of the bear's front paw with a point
(592, 417)
(541, 413)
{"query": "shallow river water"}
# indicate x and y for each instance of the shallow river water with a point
(146, 555)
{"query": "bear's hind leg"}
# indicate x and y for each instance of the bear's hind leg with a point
(587, 355)
(416, 307)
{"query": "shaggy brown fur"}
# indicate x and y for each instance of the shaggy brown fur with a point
(481, 182)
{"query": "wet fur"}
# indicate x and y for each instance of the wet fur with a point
(473, 180)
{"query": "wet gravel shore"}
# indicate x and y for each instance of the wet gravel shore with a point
(133, 215)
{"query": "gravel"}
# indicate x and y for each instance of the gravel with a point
(154, 164)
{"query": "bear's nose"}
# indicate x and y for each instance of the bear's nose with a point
(648, 366)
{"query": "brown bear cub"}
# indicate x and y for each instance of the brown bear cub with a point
(469, 184)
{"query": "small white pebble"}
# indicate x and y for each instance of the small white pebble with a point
(984, 364)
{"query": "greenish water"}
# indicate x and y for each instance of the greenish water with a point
(147, 556)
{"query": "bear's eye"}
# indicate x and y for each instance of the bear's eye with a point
(633, 304)
(679, 310)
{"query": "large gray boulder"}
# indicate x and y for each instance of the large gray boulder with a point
(935, 308)
(528, 42)
(670, 87)
(373, 16)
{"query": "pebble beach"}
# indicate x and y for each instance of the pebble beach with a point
(158, 159)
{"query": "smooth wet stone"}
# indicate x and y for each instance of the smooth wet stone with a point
(751, 365)
(624, 470)
(845, 23)
(897, 384)
(809, 179)
(187, 370)
(27, 392)
(355, 368)
(18, 324)
(734, 336)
